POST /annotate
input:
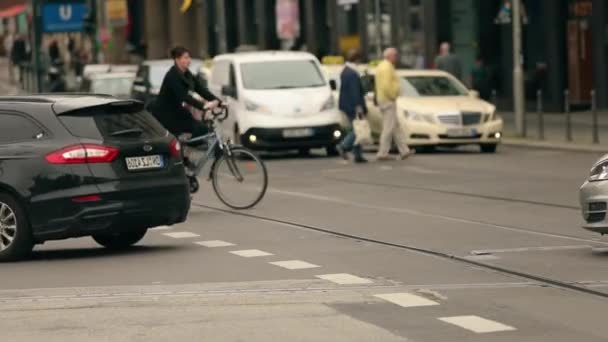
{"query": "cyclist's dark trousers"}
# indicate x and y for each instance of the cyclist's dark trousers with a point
(197, 129)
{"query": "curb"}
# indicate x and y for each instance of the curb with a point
(555, 145)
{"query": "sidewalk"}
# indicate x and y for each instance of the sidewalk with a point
(555, 131)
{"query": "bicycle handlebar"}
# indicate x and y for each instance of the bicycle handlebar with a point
(220, 112)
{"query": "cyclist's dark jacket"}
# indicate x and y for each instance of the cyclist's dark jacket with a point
(173, 92)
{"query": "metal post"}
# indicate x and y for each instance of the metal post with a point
(568, 119)
(518, 74)
(378, 29)
(596, 134)
(539, 110)
(37, 37)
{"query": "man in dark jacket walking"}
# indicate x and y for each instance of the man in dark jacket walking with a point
(352, 102)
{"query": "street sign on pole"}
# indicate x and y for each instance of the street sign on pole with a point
(63, 17)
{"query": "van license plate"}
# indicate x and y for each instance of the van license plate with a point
(144, 163)
(297, 133)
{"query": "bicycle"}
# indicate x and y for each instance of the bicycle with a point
(241, 165)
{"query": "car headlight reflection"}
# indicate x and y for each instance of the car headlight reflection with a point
(254, 107)
(599, 172)
(422, 117)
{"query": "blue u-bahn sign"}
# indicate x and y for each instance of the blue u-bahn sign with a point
(63, 17)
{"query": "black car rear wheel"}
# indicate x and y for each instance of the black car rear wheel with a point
(15, 235)
(121, 240)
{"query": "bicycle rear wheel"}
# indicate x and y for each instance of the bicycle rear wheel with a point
(240, 180)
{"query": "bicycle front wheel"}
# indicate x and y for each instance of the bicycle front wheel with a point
(240, 179)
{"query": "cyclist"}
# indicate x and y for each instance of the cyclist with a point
(181, 97)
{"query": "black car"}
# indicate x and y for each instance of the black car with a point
(74, 165)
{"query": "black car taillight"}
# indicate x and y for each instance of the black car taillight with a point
(83, 154)
(176, 149)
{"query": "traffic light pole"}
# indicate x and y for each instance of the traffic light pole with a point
(518, 74)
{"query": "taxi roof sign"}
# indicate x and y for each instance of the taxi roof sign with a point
(332, 60)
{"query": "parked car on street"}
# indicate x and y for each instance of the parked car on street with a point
(150, 75)
(593, 196)
(73, 166)
(115, 84)
(278, 100)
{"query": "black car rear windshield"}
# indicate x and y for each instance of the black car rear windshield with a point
(104, 124)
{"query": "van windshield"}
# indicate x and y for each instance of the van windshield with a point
(281, 75)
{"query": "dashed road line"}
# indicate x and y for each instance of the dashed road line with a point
(294, 264)
(477, 324)
(344, 279)
(214, 243)
(161, 228)
(406, 300)
(251, 253)
(181, 235)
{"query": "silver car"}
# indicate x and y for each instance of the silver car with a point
(594, 197)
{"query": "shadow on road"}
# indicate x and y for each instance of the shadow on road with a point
(89, 253)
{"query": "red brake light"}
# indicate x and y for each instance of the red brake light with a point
(176, 149)
(83, 154)
(89, 198)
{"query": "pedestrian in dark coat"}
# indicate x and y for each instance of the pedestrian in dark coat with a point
(352, 103)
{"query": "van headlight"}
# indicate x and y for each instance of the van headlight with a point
(422, 117)
(254, 107)
(599, 172)
(329, 104)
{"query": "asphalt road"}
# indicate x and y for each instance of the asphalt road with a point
(450, 246)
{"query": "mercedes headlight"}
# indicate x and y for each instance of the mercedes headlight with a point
(329, 104)
(428, 118)
(599, 172)
(254, 107)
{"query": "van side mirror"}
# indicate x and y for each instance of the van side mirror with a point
(229, 91)
(333, 85)
(474, 94)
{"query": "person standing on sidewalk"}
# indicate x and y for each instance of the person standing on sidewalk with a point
(387, 91)
(448, 62)
(19, 55)
(8, 45)
(352, 103)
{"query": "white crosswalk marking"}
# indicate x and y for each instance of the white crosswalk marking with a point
(477, 324)
(406, 300)
(162, 228)
(294, 264)
(181, 235)
(251, 253)
(214, 243)
(344, 279)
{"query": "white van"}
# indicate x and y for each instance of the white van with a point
(277, 101)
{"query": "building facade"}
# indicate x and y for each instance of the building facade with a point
(565, 41)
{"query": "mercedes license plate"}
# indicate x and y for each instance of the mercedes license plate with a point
(297, 133)
(461, 132)
(144, 163)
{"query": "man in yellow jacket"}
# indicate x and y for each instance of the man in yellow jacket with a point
(388, 88)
